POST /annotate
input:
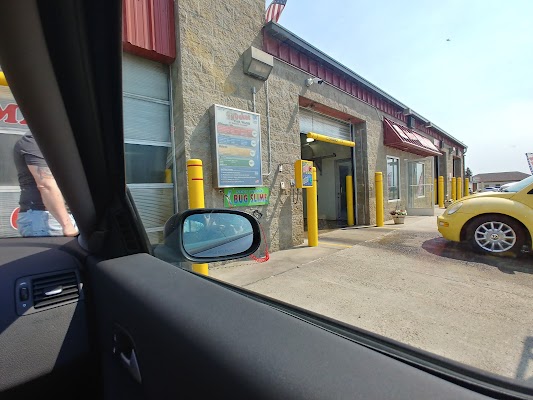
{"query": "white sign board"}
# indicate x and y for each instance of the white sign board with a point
(237, 147)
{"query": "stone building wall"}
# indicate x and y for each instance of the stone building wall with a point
(211, 38)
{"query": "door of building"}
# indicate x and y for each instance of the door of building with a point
(420, 187)
(343, 168)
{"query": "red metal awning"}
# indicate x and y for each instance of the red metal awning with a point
(403, 138)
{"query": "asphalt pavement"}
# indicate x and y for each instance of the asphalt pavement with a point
(408, 283)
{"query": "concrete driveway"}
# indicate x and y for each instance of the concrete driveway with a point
(408, 283)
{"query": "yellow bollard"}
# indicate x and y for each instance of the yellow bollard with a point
(459, 188)
(349, 201)
(3, 81)
(435, 199)
(195, 181)
(454, 188)
(168, 175)
(379, 199)
(467, 187)
(312, 213)
(441, 192)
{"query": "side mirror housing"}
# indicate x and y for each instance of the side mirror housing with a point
(207, 235)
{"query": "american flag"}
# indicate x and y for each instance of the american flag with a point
(530, 161)
(274, 10)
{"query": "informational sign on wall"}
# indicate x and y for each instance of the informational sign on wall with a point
(237, 147)
(303, 171)
(246, 197)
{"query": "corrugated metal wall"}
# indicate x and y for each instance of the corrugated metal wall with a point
(155, 204)
(148, 29)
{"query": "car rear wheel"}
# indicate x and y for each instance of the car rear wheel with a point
(495, 234)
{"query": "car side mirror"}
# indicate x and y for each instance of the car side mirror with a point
(207, 235)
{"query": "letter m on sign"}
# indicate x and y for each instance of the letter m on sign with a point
(9, 114)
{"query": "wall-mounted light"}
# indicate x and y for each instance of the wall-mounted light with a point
(310, 81)
(257, 63)
(309, 140)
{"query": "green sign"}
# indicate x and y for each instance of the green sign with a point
(246, 197)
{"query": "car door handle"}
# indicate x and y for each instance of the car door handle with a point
(132, 365)
(125, 350)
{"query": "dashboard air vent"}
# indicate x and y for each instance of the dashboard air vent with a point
(55, 289)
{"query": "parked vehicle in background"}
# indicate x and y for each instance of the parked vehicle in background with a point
(488, 189)
(504, 187)
(492, 222)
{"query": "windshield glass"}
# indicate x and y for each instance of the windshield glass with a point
(347, 129)
(31, 203)
(516, 187)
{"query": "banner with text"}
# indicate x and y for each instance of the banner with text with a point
(246, 197)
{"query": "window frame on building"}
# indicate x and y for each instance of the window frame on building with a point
(398, 198)
(421, 186)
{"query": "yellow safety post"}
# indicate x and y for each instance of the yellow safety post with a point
(459, 188)
(435, 199)
(441, 191)
(195, 181)
(3, 80)
(454, 188)
(379, 199)
(349, 201)
(467, 186)
(312, 213)
(168, 176)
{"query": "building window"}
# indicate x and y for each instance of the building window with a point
(418, 179)
(393, 177)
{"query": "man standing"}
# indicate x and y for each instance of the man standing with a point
(42, 207)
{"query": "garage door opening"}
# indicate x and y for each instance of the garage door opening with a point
(333, 162)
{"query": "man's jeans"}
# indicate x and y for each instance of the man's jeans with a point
(39, 223)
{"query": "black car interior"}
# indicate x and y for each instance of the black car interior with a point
(99, 316)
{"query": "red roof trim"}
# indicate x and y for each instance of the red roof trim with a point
(402, 138)
(148, 29)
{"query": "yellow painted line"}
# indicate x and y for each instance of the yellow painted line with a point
(334, 244)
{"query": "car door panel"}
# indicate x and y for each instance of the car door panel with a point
(44, 340)
(192, 335)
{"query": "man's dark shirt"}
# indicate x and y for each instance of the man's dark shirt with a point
(26, 152)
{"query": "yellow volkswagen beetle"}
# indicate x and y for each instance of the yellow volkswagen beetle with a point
(492, 222)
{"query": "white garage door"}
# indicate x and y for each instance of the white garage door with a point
(148, 143)
(324, 125)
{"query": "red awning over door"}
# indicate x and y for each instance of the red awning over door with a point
(402, 138)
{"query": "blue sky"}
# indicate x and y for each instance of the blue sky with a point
(478, 86)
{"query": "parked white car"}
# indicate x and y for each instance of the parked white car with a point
(504, 187)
